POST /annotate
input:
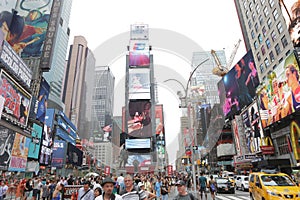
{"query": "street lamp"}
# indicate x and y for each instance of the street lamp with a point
(189, 116)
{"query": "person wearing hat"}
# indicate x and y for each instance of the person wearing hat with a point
(149, 195)
(182, 193)
(107, 187)
(85, 192)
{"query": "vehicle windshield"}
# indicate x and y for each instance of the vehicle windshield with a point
(246, 178)
(276, 180)
(222, 180)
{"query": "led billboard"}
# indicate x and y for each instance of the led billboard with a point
(42, 100)
(138, 143)
(139, 160)
(59, 151)
(159, 120)
(35, 143)
(74, 155)
(139, 83)
(7, 137)
(290, 11)
(279, 95)
(139, 32)
(139, 120)
(139, 54)
(240, 85)
(17, 100)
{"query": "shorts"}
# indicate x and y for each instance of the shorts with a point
(202, 189)
(35, 192)
(27, 193)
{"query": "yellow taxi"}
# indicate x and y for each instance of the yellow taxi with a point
(272, 186)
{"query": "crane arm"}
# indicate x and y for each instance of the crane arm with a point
(236, 46)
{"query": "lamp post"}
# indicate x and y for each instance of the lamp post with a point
(185, 98)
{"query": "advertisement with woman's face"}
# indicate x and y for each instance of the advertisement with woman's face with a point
(279, 95)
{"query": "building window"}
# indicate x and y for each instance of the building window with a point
(266, 11)
(262, 2)
(250, 23)
(256, 27)
(258, 56)
(267, 63)
(268, 43)
(251, 6)
(257, 8)
(279, 27)
(245, 5)
(277, 49)
(261, 20)
(260, 39)
(253, 16)
(255, 45)
(269, 23)
(284, 41)
(272, 57)
(263, 50)
(282, 144)
(262, 68)
(273, 35)
(271, 2)
(264, 31)
(252, 34)
(247, 14)
(275, 14)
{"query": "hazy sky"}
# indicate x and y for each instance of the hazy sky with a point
(210, 24)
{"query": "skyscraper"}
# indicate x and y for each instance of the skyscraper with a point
(56, 74)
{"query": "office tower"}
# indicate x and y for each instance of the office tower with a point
(265, 32)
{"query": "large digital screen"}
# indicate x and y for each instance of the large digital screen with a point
(74, 155)
(35, 143)
(290, 11)
(159, 120)
(59, 151)
(139, 32)
(139, 160)
(139, 119)
(139, 58)
(42, 100)
(46, 148)
(17, 100)
(7, 137)
(279, 95)
(138, 143)
(240, 85)
(139, 81)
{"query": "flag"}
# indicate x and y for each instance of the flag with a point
(107, 128)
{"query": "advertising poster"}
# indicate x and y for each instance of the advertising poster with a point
(35, 143)
(74, 155)
(42, 100)
(139, 54)
(17, 100)
(59, 153)
(138, 143)
(36, 15)
(236, 137)
(290, 11)
(139, 120)
(19, 153)
(240, 85)
(139, 32)
(46, 148)
(279, 95)
(139, 160)
(159, 120)
(7, 137)
(139, 81)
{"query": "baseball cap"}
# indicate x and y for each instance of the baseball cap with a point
(140, 184)
(180, 182)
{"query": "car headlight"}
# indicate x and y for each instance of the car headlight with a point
(273, 193)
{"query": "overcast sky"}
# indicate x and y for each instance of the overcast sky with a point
(210, 24)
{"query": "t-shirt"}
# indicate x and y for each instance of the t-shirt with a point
(184, 197)
(202, 181)
(134, 194)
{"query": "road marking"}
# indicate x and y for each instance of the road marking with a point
(232, 197)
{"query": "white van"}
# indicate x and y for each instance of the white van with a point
(242, 182)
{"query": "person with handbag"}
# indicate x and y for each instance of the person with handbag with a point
(85, 192)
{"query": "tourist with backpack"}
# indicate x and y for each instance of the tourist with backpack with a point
(212, 187)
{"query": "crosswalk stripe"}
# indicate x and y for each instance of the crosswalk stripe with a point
(232, 198)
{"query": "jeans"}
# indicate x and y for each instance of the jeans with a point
(165, 197)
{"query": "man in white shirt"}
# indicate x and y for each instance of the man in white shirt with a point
(120, 181)
(108, 186)
(85, 192)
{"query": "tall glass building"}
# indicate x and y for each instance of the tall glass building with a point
(55, 77)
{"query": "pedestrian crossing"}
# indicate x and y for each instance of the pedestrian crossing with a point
(232, 198)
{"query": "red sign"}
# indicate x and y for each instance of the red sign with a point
(107, 170)
(170, 170)
(267, 150)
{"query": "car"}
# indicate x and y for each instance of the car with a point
(224, 185)
(272, 186)
(242, 182)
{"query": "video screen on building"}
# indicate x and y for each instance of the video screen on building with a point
(74, 155)
(159, 120)
(139, 54)
(240, 85)
(279, 95)
(42, 100)
(140, 160)
(139, 83)
(290, 12)
(7, 137)
(138, 143)
(139, 119)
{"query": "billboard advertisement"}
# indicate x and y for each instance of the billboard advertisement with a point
(139, 32)
(42, 100)
(19, 153)
(139, 160)
(35, 143)
(47, 143)
(290, 11)
(74, 155)
(139, 54)
(159, 120)
(7, 137)
(17, 100)
(279, 95)
(236, 137)
(138, 143)
(240, 85)
(252, 128)
(139, 83)
(59, 151)
(15, 65)
(139, 120)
